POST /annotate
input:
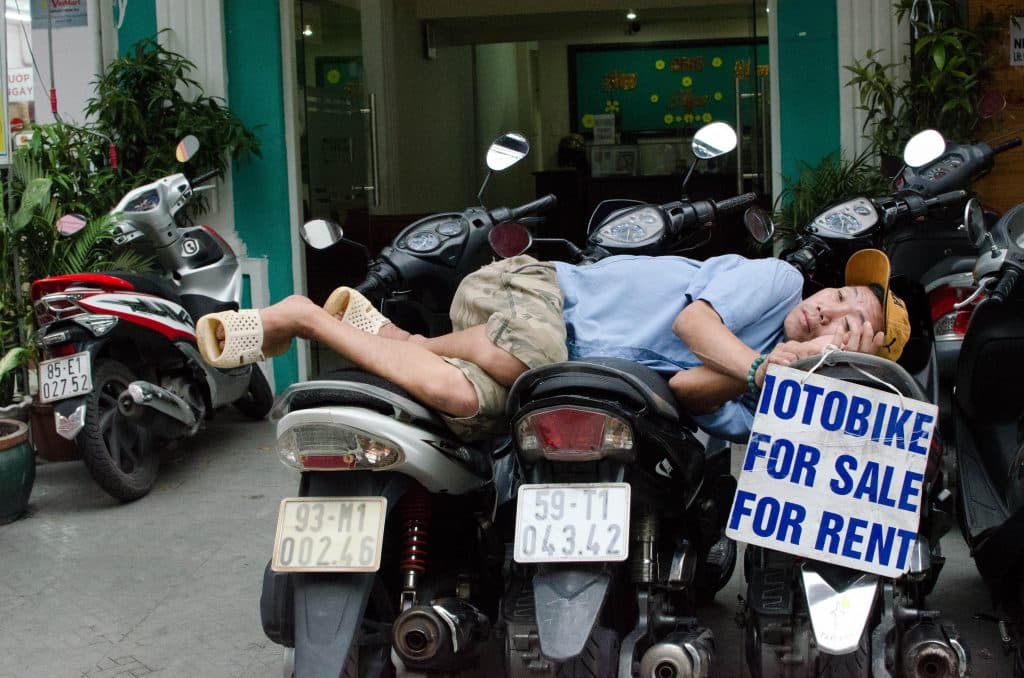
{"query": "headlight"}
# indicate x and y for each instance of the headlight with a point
(330, 446)
(636, 227)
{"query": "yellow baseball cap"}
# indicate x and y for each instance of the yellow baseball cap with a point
(871, 267)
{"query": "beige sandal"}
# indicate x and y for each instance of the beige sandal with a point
(355, 309)
(243, 339)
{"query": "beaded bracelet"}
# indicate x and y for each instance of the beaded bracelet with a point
(751, 384)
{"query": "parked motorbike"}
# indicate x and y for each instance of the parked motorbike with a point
(619, 519)
(122, 369)
(387, 559)
(987, 416)
(786, 610)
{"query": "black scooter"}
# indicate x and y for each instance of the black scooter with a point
(988, 404)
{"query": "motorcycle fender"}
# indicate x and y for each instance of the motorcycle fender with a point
(327, 609)
(69, 417)
(567, 602)
(840, 615)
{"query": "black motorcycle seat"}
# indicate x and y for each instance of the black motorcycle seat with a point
(197, 305)
(642, 386)
(360, 389)
(149, 284)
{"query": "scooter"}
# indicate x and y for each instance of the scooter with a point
(123, 371)
(387, 558)
(619, 516)
(786, 612)
(987, 409)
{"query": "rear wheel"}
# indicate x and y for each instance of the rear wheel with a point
(854, 665)
(258, 400)
(599, 658)
(121, 457)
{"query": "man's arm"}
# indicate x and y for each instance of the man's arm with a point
(701, 390)
(701, 328)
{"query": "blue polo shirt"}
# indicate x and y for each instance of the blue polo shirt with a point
(624, 306)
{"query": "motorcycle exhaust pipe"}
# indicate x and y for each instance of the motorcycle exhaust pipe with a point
(161, 410)
(442, 636)
(928, 654)
(683, 654)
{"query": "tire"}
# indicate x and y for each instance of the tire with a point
(258, 400)
(121, 457)
(599, 659)
(854, 665)
(715, 572)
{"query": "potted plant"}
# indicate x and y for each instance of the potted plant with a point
(949, 67)
(17, 469)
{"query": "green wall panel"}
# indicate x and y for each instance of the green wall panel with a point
(139, 23)
(808, 82)
(255, 94)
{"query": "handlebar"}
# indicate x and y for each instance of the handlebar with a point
(501, 214)
(943, 199)
(736, 203)
(204, 177)
(1005, 286)
(1006, 145)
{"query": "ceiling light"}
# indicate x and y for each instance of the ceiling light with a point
(307, 30)
(631, 15)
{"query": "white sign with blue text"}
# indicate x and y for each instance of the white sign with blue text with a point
(834, 471)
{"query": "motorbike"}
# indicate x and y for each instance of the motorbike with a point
(987, 408)
(785, 613)
(122, 369)
(387, 559)
(619, 512)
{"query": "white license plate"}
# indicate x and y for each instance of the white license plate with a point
(329, 534)
(66, 377)
(572, 523)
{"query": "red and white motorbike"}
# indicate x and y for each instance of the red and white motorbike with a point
(123, 372)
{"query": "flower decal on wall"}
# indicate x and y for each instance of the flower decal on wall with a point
(687, 81)
(588, 121)
(717, 62)
(659, 64)
(654, 98)
(669, 118)
(611, 106)
(706, 117)
(718, 96)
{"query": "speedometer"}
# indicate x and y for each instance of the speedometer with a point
(450, 228)
(634, 227)
(423, 241)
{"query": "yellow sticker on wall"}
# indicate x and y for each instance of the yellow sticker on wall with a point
(660, 64)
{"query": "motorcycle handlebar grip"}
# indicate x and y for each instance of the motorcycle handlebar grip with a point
(1006, 145)
(737, 203)
(1007, 281)
(949, 198)
(538, 205)
(204, 177)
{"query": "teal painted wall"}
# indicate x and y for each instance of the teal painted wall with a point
(808, 82)
(255, 94)
(139, 22)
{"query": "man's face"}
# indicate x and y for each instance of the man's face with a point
(824, 312)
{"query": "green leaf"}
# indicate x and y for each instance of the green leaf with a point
(939, 56)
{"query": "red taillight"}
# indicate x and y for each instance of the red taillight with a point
(61, 351)
(949, 322)
(327, 461)
(573, 434)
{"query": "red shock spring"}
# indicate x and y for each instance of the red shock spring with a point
(415, 530)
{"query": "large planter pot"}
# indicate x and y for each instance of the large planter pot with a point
(48, 443)
(17, 469)
(17, 410)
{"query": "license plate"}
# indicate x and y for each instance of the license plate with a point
(572, 523)
(329, 534)
(66, 377)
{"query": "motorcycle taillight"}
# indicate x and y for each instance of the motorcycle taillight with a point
(949, 322)
(573, 434)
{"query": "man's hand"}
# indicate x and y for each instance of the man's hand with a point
(789, 352)
(861, 339)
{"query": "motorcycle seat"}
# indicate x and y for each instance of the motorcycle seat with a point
(356, 388)
(639, 385)
(149, 284)
(198, 305)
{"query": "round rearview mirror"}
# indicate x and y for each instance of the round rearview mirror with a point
(974, 220)
(321, 233)
(713, 140)
(509, 239)
(186, 148)
(923, 147)
(759, 224)
(507, 150)
(69, 224)
(991, 104)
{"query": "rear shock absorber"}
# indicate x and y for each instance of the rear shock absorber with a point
(645, 534)
(415, 536)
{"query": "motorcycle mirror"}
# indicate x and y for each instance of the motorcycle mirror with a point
(186, 149)
(69, 224)
(923, 147)
(991, 104)
(759, 224)
(321, 233)
(509, 239)
(507, 150)
(974, 220)
(713, 140)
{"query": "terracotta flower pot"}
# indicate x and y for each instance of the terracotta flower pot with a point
(17, 469)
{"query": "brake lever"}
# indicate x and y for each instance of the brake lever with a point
(982, 287)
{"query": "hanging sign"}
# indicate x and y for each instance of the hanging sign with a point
(834, 472)
(62, 13)
(19, 84)
(1017, 41)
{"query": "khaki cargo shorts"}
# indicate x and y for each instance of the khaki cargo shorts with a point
(520, 303)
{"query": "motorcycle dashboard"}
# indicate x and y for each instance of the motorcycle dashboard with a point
(632, 228)
(849, 219)
(943, 166)
(143, 203)
(434, 237)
